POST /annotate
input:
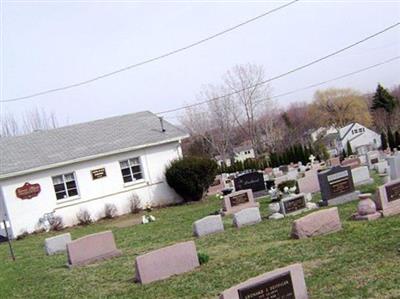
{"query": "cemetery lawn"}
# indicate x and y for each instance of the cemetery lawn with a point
(361, 261)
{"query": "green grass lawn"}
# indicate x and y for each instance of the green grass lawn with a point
(361, 261)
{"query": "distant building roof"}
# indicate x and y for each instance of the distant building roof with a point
(242, 148)
(81, 142)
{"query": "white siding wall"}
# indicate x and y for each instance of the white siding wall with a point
(93, 194)
(368, 137)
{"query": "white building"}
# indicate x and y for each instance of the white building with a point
(361, 138)
(240, 154)
(86, 166)
(244, 152)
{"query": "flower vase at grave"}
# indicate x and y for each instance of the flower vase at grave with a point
(366, 208)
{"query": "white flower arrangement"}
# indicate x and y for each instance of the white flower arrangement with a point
(148, 218)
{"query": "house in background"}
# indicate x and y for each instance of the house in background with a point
(240, 154)
(243, 152)
(361, 139)
(86, 166)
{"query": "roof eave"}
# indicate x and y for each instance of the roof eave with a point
(88, 158)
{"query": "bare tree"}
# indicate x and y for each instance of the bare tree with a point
(249, 98)
(215, 122)
(31, 120)
(272, 128)
(9, 125)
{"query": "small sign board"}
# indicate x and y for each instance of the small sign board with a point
(278, 287)
(28, 191)
(98, 173)
(374, 160)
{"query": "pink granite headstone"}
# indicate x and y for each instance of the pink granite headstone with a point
(165, 262)
(92, 248)
(309, 183)
(287, 282)
(388, 198)
(317, 223)
(237, 201)
(353, 163)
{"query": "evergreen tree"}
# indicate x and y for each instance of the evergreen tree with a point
(384, 141)
(397, 139)
(349, 149)
(343, 154)
(383, 99)
(391, 140)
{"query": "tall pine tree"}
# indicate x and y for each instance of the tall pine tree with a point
(349, 150)
(397, 139)
(391, 140)
(384, 141)
(383, 99)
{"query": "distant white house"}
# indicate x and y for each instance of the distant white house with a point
(240, 154)
(361, 138)
(86, 166)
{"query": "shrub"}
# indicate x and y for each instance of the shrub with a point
(134, 203)
(84, 217)
(22, 235)
(289, 184)
(191, 177)
(56, 223)
(110, 211)
(203, 258)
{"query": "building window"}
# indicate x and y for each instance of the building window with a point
(131, 170)
(65, 185)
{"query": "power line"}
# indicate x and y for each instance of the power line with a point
(129, 67)
(286, 73)
(329, 80)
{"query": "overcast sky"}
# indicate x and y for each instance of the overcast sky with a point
(49, 44)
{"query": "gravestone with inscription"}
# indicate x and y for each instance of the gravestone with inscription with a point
(251, 180)
(294, 204)
(372, 158)
(287, 283)
(236, 201)
(337, 185)
(388, 198)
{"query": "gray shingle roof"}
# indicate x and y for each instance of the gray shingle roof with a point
(83, 141)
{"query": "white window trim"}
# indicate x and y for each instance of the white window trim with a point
(135, 182)
(70, 198)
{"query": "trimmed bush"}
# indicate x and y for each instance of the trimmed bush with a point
(191, 177)
(56, 223)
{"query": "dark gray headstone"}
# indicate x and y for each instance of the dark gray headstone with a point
(252, 180)
(337, 185)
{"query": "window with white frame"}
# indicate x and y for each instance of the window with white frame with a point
(65, 185)
(131, 170)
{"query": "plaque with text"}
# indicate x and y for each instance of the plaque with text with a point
(335, 182)
(340, 187)
(393, 192)
(239, 199)
(279, 287)
(294, 204)
(28, 191)
(374, 160)
(98, 173)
